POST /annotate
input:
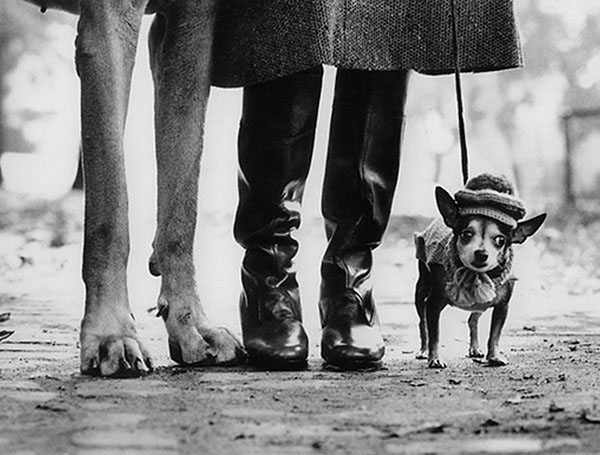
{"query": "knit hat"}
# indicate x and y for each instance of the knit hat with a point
(500, 206)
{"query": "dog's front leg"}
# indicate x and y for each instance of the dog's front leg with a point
(499, 314)
(434, 307)
(474, 350)
(433, 328)
(180, 47)
(105, 52)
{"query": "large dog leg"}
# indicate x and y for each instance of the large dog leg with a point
(106, 44)
(180, 46)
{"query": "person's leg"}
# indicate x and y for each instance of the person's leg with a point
(360, 178)
(276, 141)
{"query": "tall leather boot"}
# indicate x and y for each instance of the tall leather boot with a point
(276, 141)
(360, 178)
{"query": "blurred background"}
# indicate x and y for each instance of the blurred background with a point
(539, 125)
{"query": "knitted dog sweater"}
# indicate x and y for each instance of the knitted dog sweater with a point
(465, 288)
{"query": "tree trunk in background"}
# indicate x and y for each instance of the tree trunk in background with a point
(3, 46)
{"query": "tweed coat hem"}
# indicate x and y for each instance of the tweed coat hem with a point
(259, 40)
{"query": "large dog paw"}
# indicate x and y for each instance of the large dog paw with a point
(193, 342)
(205, 347)
(111, 349)
(436, 363)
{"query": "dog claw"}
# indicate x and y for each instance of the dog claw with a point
(139, 366)
(113, 356)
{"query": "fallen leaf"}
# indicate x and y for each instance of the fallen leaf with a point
(4, 317)
(4, 334)
(490, 423)
(590, 417)
(433, 428)
(555, 408)
(45, 407)
(514, 400)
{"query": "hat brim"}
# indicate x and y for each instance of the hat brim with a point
(489, 212)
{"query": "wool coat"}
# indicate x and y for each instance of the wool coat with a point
(258, 40)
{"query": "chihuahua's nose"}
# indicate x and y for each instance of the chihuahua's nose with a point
(481, 256)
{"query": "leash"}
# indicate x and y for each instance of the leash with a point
(464, 154)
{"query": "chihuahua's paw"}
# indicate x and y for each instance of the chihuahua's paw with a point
(422, 355)
(497, 361)
(475, 353)
(437, 364)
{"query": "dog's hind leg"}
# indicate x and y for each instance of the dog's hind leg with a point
(422, 291)
(180, 47)
(105, 52)
(474, 350)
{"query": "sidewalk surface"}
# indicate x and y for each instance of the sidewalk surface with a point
(547, 400)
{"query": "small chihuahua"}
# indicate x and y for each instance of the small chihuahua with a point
(465, 261)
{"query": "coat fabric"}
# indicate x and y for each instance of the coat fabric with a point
(259, 40)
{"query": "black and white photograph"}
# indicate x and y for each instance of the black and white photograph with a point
(282, 227)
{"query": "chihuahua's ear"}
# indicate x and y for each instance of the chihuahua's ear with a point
(447, 206)
(527, 228)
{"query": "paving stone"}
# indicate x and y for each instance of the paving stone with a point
(29, 396)
(24, 391)
(113, 419)
(19, 385)
(91, 405)
(137, 440)
(476, 446)
(125, 387)
(122, 451)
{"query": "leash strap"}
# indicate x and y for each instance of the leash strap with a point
(464, 154)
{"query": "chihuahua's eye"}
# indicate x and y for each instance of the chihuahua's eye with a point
(466, 235)
(499, 241)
